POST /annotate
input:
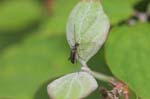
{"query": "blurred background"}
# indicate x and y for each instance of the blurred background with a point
(33, 46)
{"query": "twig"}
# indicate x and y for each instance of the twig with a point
(98, 75)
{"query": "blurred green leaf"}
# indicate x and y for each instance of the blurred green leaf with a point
(19, 15)
(118, 10)
(57, 22)
(128, 54)
(24, 67)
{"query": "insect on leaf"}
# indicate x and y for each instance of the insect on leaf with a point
(87, 23)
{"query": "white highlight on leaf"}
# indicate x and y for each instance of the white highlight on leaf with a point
(82, 20)
(72, 86)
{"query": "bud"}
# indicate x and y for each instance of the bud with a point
(88, 26)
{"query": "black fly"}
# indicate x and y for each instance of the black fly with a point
(73, 52)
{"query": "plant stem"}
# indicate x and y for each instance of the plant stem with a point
(99, 75)
(103, 77)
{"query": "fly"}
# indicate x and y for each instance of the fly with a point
(73, 53)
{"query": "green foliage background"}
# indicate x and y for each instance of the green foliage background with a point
(34, 50)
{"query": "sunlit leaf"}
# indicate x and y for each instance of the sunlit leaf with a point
(128, 54)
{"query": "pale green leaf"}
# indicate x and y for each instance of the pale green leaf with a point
(72, 86)
(88, 26)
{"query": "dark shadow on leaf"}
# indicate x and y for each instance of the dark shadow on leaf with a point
(10, 38)
(98, 63)
(142, 6)
(41, 93)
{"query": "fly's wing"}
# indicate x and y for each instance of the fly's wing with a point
(86, 50)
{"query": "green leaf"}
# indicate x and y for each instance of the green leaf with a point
(88, 26)
(26, 65)
(128, 54)
(72, 86)
(118, 10)
(18, 15)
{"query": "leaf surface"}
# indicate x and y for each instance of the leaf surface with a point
(118, 10)
(128, 54)
(87, 24)
(72, 86)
